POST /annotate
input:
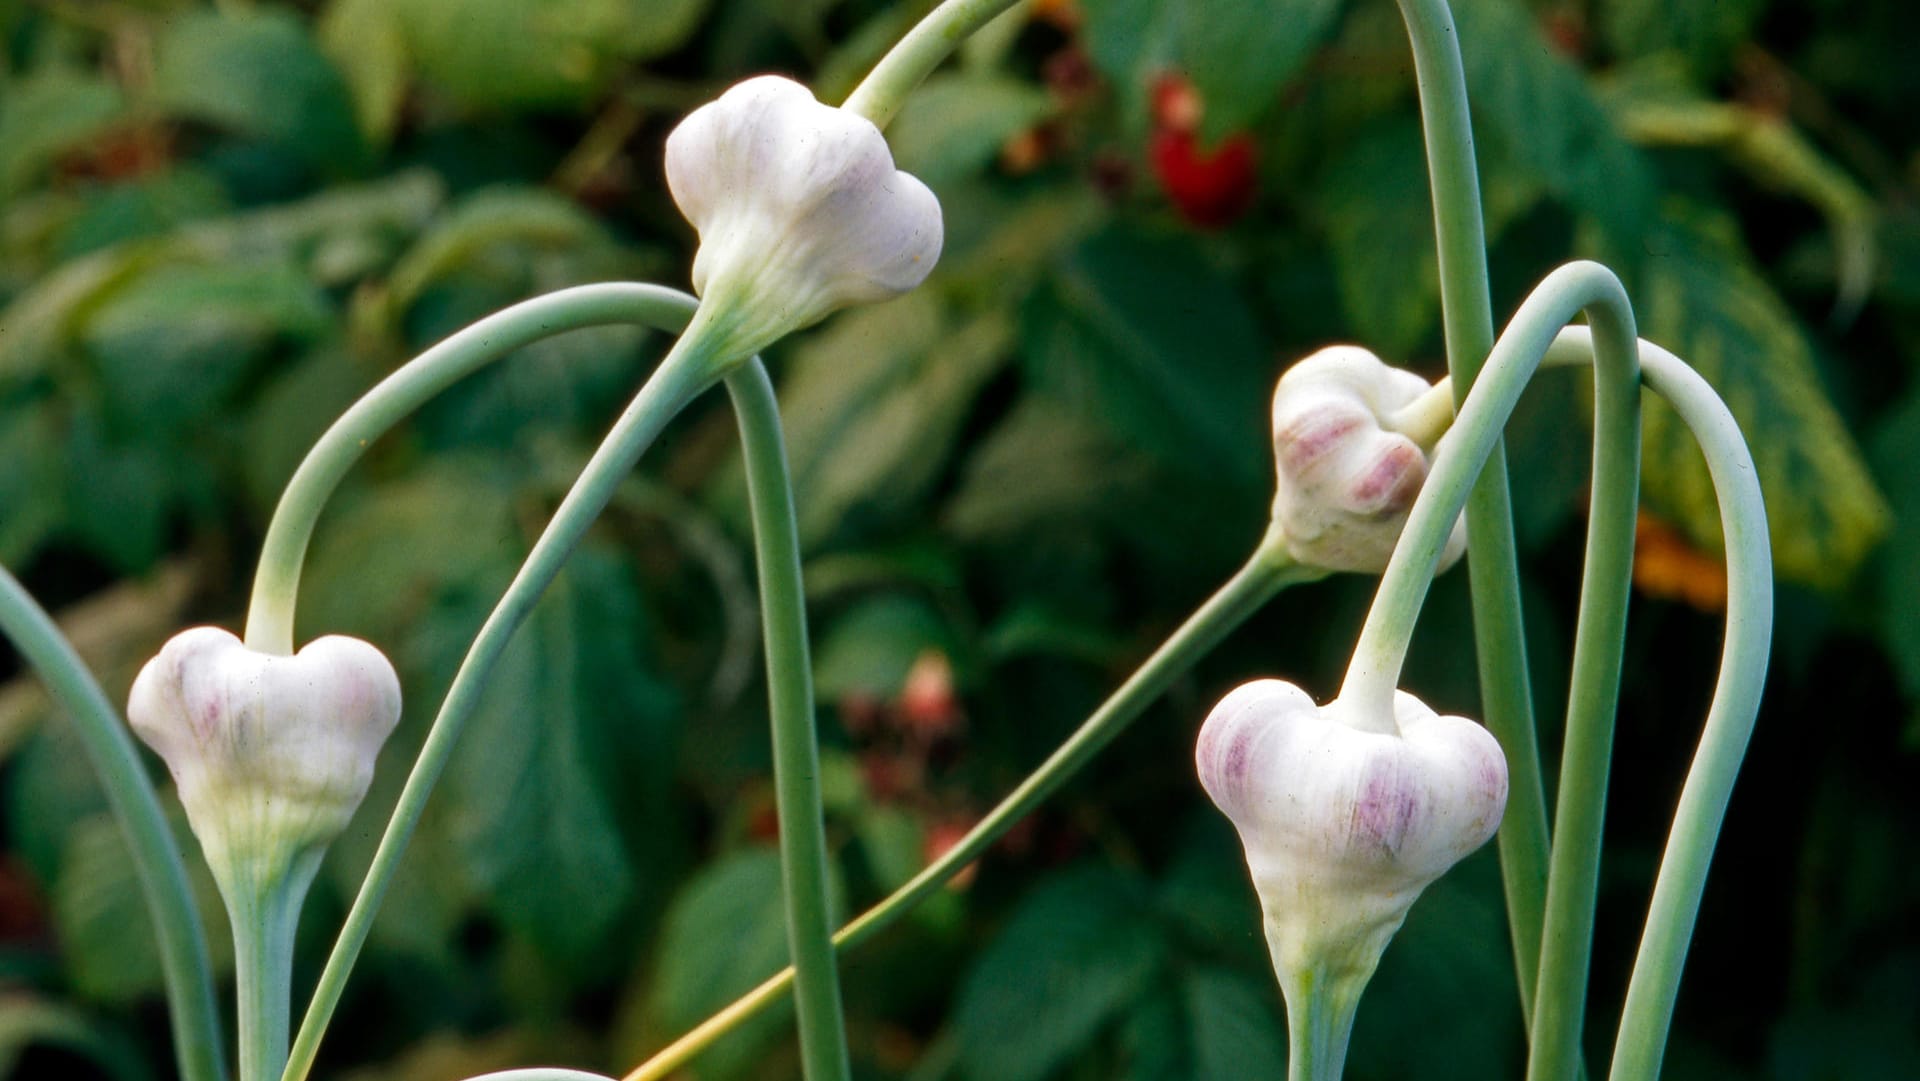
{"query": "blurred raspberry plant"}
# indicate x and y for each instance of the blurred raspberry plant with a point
(553, 221)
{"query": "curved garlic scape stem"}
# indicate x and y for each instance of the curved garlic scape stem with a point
(799, 208)
(271, 754)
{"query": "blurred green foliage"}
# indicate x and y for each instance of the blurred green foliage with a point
(218, 225)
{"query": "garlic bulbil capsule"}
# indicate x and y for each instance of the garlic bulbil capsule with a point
(271, 754)
(1349, 466)
(799, 208)
(1345, 820)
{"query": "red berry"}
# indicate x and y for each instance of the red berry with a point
(1176, 104)
(1210, 189)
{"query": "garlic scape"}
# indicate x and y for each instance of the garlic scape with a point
(271, 754)
(1351, 440)
(799, 208)
(1345, 819)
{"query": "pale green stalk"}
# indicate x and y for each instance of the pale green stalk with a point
(277, 581)
(1319, 1026)
(264, 915)
(689, 368)
(1267, 572)
(880, 95)
(796, 749)
(1655, 984)
(1377, 658)
(1492, 563)
(198, 1047)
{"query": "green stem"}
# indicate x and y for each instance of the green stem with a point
(1264, 575)
(1382, 648)
(1493, 568)
(1319, 1025)
(1655, 984)
(932, 40)
(689, 368)
(1581, 286)
(276, 583)
(1593, 699)
(796, 749)
(197, 1042)
(264, 917)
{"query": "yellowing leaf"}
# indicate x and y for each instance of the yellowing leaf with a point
(1700, 296)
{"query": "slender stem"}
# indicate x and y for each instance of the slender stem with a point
(1492, 562)
(1319, 1025)
(1593, 699)
(932, 40)
(796, 749)
(1377, 658)
(277, 582)
(1264, 575)
(1655, 984)
(1375, 669)
(264, 917)
(689, 368)
(540, 1073)
(199, 1048)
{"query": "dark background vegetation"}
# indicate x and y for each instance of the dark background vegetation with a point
(220, 225)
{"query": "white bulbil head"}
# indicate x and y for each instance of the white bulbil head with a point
(1347, 475)
(798, 205)
(271, 754)
(1345, 823)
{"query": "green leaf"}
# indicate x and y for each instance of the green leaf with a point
(28, 1021)
(874, 406)
(509, 54)
(51, 788)
(658, 27)
(149, 206)
(1236, 1032)
(1145, 337)
(869, 649)
(173, 344)
(101, 915)
(1379, 222)
(122, 510)
(513, 217)
(1701, 297)
(1237, 53)
(1446, 982)
(1896, 447)
(1538, 110)
(1207, 898)
(1702, 32)
(954, 125)
(1045, 466)
(382, 562)
(366, 40)
(32, 487)
(291, 413)
(725, 932)
(528, 800)
(259, 73)
(46, 115)
(1080, 949)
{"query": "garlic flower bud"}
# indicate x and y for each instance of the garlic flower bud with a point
(1344, 819)
(272, 754)
(799, 208)
(1348, 475)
